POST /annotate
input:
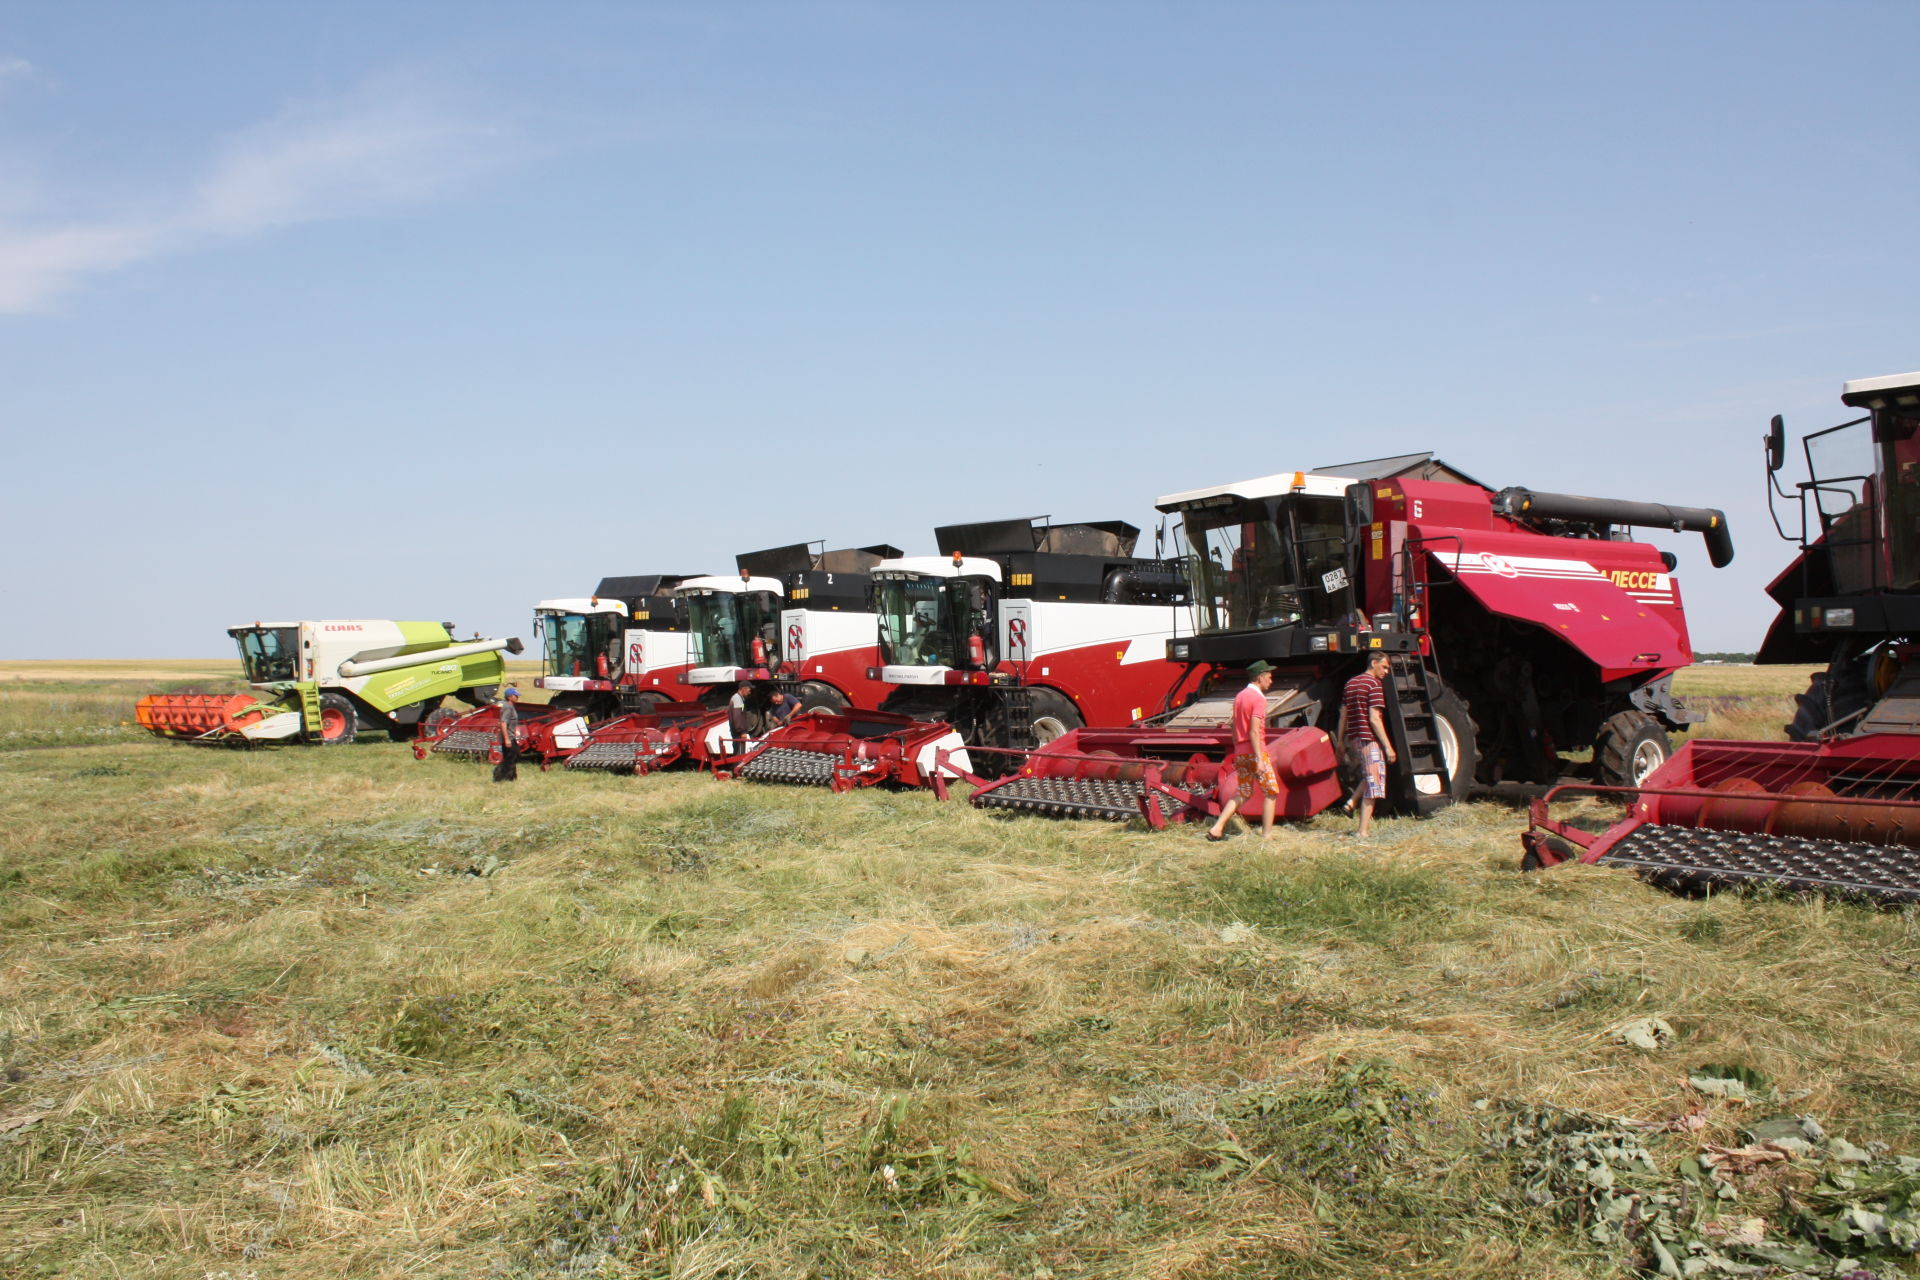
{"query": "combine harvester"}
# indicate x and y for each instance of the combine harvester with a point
(1016, 633)
(795, 619)
(1837, 810)
(1520, 625)
(614, 651)
(331, 680)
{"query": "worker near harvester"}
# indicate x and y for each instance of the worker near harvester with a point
(508, 770)
(1363, 732)
(1252, 764)
(782, 709)
(740, 716)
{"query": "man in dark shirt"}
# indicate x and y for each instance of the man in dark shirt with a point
(508, 770)
(1363, 731)
(782, 709)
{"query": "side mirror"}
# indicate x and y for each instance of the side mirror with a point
(1776, 443)
(1359, 504)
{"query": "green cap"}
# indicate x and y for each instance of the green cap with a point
(1258, 667)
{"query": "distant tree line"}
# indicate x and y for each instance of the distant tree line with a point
(1723, 657)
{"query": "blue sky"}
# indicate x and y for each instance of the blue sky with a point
(435, 310)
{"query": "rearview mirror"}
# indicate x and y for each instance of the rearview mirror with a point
(1776, 443)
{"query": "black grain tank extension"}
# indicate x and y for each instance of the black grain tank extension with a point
(1089, 563)
(648, 599)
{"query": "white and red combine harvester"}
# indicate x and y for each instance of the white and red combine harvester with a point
(1017, 633)
(624, 648)
(796, 619)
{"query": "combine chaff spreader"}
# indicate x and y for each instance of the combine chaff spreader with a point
(1520, 626)
(332, 679)
(1837, 810)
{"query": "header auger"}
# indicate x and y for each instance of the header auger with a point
(1837, 810)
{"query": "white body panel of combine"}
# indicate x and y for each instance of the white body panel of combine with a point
(646, 654)
(807, 634)
(577, 607)
(327, 643)
(1033, 630)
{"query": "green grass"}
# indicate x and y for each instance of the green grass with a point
(335, 1012)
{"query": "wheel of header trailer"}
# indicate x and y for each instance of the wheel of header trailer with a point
(1453, 724)
(339, 722)
(434, 720)
(821, 698)
(1054, 716)
(1628, 747)
(1832, 695)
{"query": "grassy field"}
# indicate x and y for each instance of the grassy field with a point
(306, 1012)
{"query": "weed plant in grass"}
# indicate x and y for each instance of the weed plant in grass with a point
(335, 1012)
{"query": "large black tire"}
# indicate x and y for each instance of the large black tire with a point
(1832, 695)
(440, 715)
(1629, 746)
(1453, 724)
(1054, 716)
(339, 720)
(823, 698)
(480, 695)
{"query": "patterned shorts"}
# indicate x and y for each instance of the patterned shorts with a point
(1375, 762)
(1247, 769)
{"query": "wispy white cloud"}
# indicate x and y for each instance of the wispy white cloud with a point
(14, 68)
(389, 146)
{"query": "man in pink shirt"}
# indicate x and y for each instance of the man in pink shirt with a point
(1252, 766)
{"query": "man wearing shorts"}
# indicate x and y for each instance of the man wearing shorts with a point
(1252, 766)
(1363, 729)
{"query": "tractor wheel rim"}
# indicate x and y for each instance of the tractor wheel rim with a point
(1047, 728)
(1449, 747)
(333, 723)
(1647, 757)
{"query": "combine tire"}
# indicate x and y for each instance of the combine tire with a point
(1832, 695)
(480, 695)
(1054, 716)
(1454, 725)
(339, 722)
(1629, 747)
(823, 698)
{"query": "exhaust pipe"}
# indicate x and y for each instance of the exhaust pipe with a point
(1518, 503)
(354, 667)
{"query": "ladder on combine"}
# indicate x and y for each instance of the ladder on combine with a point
(1420, 781)
(309, 691)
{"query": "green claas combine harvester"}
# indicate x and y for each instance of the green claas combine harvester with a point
(328, 681)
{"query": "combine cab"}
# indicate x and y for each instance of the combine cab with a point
(331, 680)
(1837, 810)
(624, 648)
(1520, 626)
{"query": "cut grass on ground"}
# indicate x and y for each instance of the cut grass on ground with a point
(335, 1012)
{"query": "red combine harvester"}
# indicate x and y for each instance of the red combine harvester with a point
(616, 650)
(1017, 633)
(1520, 625)
(1838, 809)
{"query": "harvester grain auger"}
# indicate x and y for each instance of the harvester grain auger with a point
(327, 681)
(666, 734)
(1838, 810)
(854, 749)
(546, 735)
(1519, 626)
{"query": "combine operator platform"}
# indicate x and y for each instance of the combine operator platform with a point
(1836, 811)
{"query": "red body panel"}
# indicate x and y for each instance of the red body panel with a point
(1107, 691)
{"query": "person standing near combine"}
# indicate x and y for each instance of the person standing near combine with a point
(1363, 732)
(508, 770)
(1252, 766)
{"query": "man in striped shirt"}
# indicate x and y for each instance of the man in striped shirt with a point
(1363, 729)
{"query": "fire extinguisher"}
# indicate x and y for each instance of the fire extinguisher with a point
(759, 652)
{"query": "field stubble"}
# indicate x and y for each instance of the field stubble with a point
(314, 1012)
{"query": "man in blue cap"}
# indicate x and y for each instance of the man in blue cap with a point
(508, 770)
